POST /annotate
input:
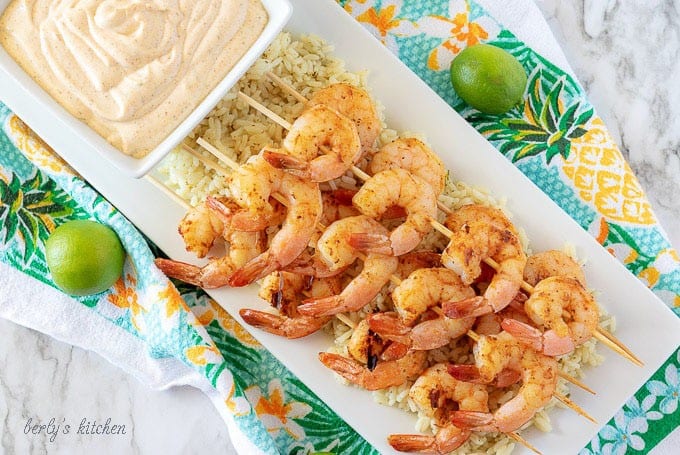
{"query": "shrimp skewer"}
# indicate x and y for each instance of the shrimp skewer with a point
(601, 334)
(395, 279)
(435, 393)
(552, 298)
(482, 232)
(257, 181)
(283, 291)
(337, 252)
(318, 129)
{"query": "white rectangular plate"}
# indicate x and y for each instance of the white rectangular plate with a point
(645, 324)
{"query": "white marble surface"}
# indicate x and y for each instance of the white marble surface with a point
(626, 55)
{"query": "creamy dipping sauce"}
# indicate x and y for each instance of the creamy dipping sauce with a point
(131, 69)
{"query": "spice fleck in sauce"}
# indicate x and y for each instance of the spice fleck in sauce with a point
(131, 69)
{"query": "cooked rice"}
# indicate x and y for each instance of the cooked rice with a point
(240, 132)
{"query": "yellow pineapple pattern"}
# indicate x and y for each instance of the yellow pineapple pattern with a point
(602, 177)
(35, 149)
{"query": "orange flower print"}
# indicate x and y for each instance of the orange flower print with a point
(203, 355)
(230, 325)
(355, 6)
(173, 300)
(383, 22)
(457, 30)
(275, 413)
(125, 297)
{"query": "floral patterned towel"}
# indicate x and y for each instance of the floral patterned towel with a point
(554, 137)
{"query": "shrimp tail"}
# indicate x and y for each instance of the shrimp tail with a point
(255, 269)
(280, 325)
(467, 308)
(373, 243)
(188, 273)
(447, 440)
(326, 306)
(394, 351)
(549, 343)
(465, 373)
(388, 325)
(472, 419)
(419, 443)
(524, 333)
(249, 222)
(283, 161)
(347, 368)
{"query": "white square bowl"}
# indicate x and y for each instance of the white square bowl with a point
(279, 12)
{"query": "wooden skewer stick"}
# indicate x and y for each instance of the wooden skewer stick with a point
(620, 349)
(574, 407)
(576, 382)
(524, 442)
(158, 184)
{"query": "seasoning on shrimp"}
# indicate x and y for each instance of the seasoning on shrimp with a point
(480, 233)
(493, 355)
(199, 228)
(355, 104)
(566, 310)
(414, 156)
(257, 182)
(401, 188)
(284, 290)
(338, 252)
(321, 145)
(436, 394)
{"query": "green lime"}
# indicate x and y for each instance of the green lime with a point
(488, 78)
(84, 257)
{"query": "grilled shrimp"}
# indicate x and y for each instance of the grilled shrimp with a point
(199, 228)
(368, 347)
(395, 187)
(433, 332)
(384, 374)
(355, 104)
(494, 354)
(200, 232)
(566, 310)
(410, 262)
(303, 201)
(337, 204)
(483, 233)
(425, 288)
(436, 394)
(284, 290)
(414, 156)
(552, 263)
(321, 145)
(338, 253)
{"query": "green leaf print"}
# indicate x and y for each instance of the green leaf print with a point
(328, 431)
(29, 212)
(618, 235)
(546, 124)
